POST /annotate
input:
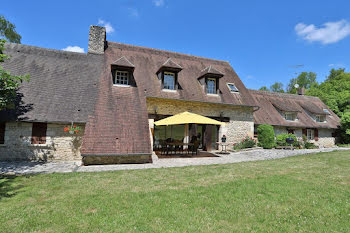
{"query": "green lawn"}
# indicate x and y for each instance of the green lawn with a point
(308, 193)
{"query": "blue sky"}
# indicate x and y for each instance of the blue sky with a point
(263, 40)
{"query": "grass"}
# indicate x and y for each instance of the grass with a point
(309, 193)
(343, 145)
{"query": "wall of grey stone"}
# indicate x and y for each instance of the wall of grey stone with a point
(325, 138)
(241, 118)
(59, 145)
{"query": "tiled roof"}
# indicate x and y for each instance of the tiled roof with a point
(270, 103)
(63, 85)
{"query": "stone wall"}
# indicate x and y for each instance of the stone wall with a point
(325, 138)
(241, 121)
(59, 145)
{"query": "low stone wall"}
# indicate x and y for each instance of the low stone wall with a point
(241, 122)
(59, 145)
(116, 159)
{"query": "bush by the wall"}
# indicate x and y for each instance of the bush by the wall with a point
(281, 139)
(266, 136)
(247, 142)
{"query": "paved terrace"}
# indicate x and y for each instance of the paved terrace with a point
(75, 166)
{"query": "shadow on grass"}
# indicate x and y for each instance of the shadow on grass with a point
(8, 188)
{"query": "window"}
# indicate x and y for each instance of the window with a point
(39, 133)
(211, 86)
(320, 118)
(169, 81)
(121, 77)
(326, 111)
(232, 87)
(310, 134)
(290, 131)
(2, 133)
(290, 116)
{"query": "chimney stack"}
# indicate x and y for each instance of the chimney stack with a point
(97, 40)
(301, 91)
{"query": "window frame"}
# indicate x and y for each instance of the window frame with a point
(310, 134)
(39, 139)
(164, 73)
(290, 114)
(228, 85)
(215, 86)
(318, 118)
(116, 77)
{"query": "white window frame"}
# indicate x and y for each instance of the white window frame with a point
(310, 134)
(318, 118)
(122, 81)
(174, 84)
(228, 85)
(286, 114)
(215, 88)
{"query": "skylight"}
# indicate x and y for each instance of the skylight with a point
(232, 87)
(326, 111)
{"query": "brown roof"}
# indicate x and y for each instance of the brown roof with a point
(147, 62)
(62, 87)
(270, 103)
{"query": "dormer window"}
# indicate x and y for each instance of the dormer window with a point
(169, 81)
(290, 116)
(320, 118)
(121, 77)
(122, 72)
(211, 86)
(232, 87)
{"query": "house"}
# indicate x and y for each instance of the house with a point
(296, 114)
(115, 93)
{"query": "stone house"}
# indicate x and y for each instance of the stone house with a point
(114, 93)
(296, 114)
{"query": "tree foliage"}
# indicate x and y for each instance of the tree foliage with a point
(334, 91)
(266, 136)
(8, 31)
(305, 79)
(8, 83)
(277, 87)
(264, 88)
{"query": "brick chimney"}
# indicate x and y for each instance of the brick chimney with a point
(97, 40)
(301, 91)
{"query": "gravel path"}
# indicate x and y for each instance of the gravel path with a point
(75, 166)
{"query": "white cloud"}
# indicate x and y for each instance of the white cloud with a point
(133, 12)
(107, 25)
(158, 3)
(76, 49)
(336, 65)
(330, 32)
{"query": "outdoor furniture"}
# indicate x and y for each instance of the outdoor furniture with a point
(176, 147)
(223, 147)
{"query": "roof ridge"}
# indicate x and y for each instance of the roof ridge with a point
(281, 94)
(167, 51)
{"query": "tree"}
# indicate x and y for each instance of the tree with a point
(345, 128)
(305, 79)
(8, 31)
(277, 87)
(264, 88)
(266, 136)
(334, 91)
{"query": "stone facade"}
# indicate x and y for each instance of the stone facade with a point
(241, 121)
(59, 145)
(325, 138)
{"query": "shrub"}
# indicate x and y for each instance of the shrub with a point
(266, 136)
(281, 140)
(247, 142)
(345, 128)
(310, 145)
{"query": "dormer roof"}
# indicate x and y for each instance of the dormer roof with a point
(123, 62)
(210, 70)
(170, 65)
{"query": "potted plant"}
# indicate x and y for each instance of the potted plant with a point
(72, 129)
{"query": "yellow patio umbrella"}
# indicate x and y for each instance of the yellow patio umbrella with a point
(187, 118)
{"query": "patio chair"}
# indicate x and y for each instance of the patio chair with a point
(194, 148)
